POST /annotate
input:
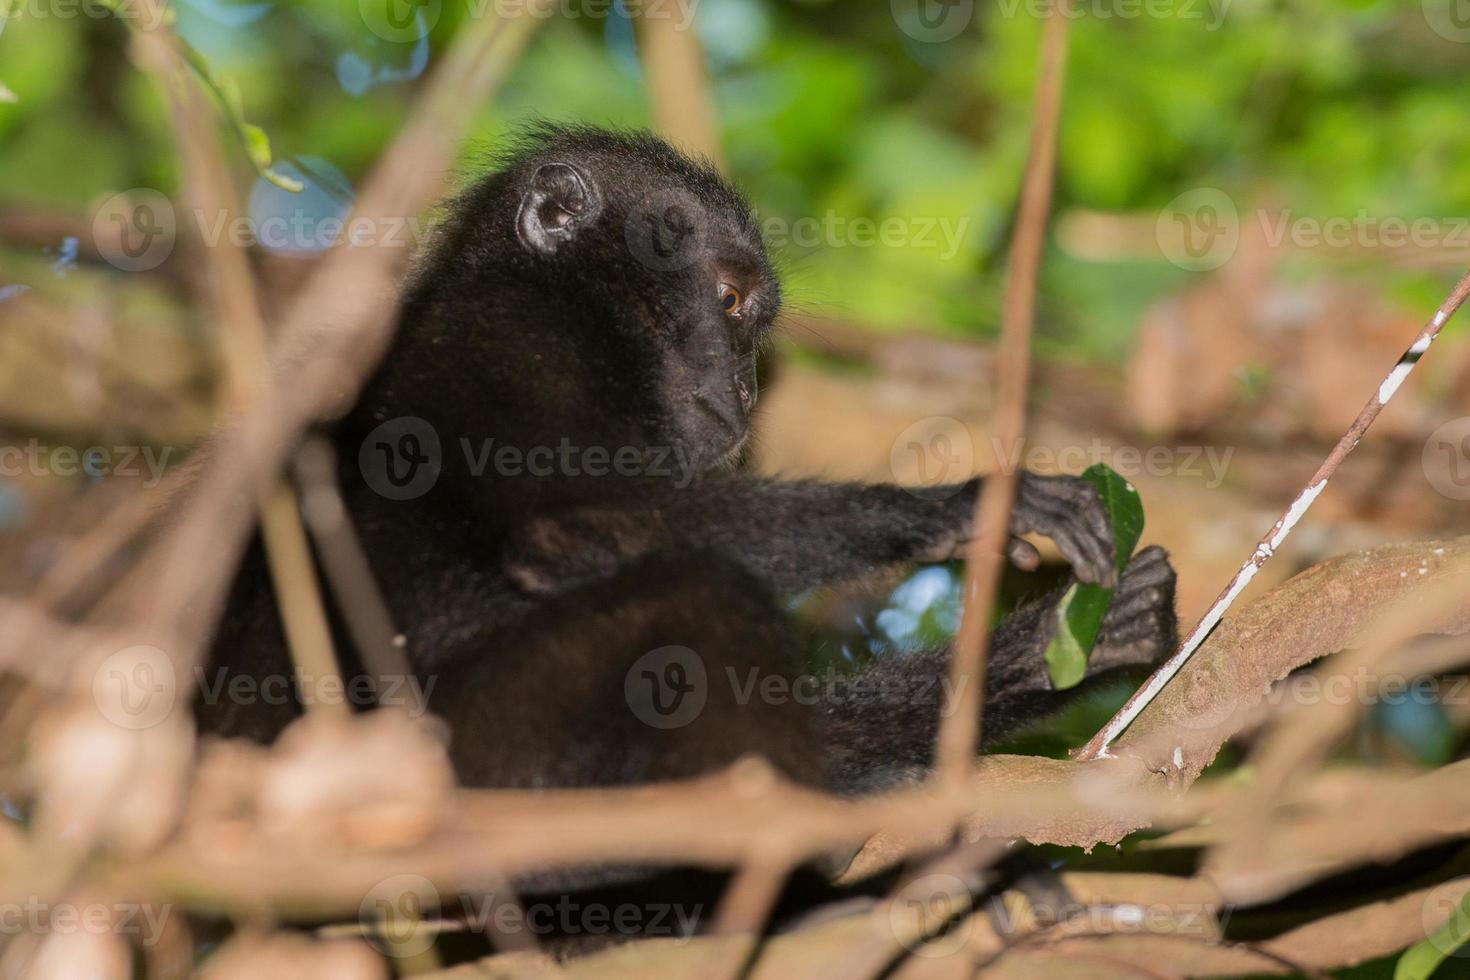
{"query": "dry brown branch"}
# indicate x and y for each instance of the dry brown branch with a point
(1266, 548)
(331, 337)
(299, 599)
(1133, 956)
(959, 734)
(1330, 607)
(1139, 924)
(181, 586)
(1333, 606)
(208, 189)
(746, 819)
(346, 566)
(1339, 820)
(718, 823)
(1304, 738)
(713, 824)
(926, 902)
(333, 334)
(1370, 931)
(678, 85)
(747, 901)
(247, 379)
(744, 909)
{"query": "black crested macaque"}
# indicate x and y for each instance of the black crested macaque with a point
(542, 474)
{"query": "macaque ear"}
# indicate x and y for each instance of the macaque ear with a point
(559, 202)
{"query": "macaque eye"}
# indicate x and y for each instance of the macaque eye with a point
(730, 299)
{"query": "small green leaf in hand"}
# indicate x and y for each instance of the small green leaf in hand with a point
(1080, 613)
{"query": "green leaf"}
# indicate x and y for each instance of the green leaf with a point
(1066, 654)
(254, 139)
(258, 148)
(282, 181)
(1424, 957)
(257, 145)
(1080, 613)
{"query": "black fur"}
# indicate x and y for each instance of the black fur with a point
(573, 311)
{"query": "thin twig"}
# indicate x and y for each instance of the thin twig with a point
(747, 900)
(347, 570)
(959, 866)
(209, 189)
(318, 369)
(63, 588)
(744, 909)
(308, 635)
(959, 734)
(298, 595)
(678, 85)
(1098, 746)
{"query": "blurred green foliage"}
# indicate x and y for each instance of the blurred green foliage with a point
(830, 113)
